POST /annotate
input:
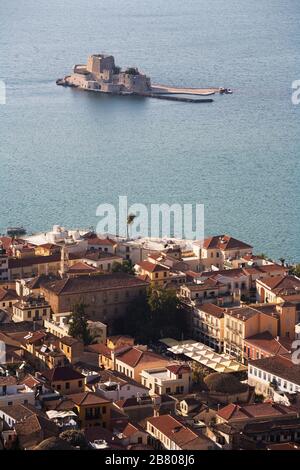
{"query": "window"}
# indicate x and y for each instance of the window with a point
(67, 385)
(103, 410)
(79, 383)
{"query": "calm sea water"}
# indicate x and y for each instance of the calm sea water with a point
(63, 152)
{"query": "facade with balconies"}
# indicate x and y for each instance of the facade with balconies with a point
(208, 325)
(34, 309)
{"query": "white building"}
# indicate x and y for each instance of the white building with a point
(73, 239)
(11, 393)
(274, 373)
(170, 380)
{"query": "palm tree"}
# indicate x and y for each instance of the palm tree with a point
(130, 219)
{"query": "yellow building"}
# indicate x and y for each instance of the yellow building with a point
(47, 249)
(114, 342)
(92, 410)
(72, 348)
(208, 325)
(156, 273)
(243, 322)
(65, 380)
(215, 251)
(134, 360)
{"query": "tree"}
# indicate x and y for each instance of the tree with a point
(75, 438)
(295, 270)
(157, 315)
(125, 267)
(78, 324)
(130, 219)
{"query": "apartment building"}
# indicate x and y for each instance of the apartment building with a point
(133, 360)
(208, 325)
(216, 250)
(276, 373)
(171, 380)
(240, 323)
(168, 433)
(33, 309)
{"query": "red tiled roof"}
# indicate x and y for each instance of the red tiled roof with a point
(282, 284)
(173, 429)
(30, 381)
(69, 340)
(35, 337)
(152, 267)
(81, 267)
(225, 242)
(267, 343)
(131, 429)
(100, 349)
(281, 366)
(88, 398)
(101, 241)
(28, 431)
(8, 380)
(134, 401)
(6, 242)
(178, 368)
(265, 269)
(8, 294)
(61, 374)
(213, 310)
(135, 356)
(94, 283)
(254, 410)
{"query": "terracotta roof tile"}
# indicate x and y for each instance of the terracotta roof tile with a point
(88, 398)
(62, 374)
(94, 283)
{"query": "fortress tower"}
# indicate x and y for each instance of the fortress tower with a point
(98, 63)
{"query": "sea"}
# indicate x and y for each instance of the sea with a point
(64, 151)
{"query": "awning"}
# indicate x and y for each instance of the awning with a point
(206, 356)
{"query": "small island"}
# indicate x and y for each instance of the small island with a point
(100, 74)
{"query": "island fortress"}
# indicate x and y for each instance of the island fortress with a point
(102, 75)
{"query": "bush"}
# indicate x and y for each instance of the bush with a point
(224, 383)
